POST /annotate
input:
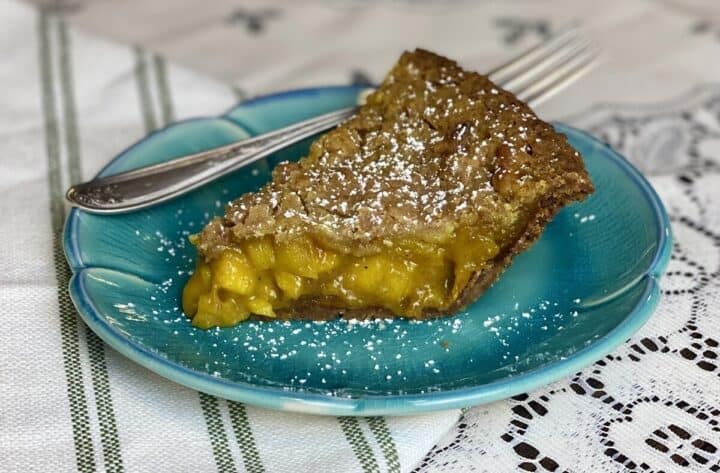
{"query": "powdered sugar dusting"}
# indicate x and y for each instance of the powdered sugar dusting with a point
(433, 146)
(434, 153)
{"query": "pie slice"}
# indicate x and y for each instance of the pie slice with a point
(412, 207)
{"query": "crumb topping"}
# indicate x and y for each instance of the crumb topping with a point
(434, 147)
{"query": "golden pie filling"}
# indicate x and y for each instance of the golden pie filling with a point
(262, 275)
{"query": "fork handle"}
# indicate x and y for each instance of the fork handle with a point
(143, 187)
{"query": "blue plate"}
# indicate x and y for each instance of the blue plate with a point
(587, 285)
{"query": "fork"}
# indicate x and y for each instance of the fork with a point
(533, 76)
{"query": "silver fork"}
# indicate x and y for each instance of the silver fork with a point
(534, 76)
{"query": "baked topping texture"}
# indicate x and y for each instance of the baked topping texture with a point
(434, 147)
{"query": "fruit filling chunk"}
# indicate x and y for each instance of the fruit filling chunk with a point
(260, 276)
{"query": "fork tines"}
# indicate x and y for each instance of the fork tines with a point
(547, 68)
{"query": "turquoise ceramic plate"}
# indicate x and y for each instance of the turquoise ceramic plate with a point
(581, 290)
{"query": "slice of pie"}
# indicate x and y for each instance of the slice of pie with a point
(412, 207)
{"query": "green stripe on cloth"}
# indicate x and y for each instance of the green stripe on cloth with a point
(382, 435)
(112, 455)
(243, 434)
(68, 93)
(112, 458)
(143, 84)
(80, 420)
(163, 86)
(359, 444)
(216, 430)
(209, 404)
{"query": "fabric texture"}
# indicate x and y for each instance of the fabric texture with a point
(71, 101)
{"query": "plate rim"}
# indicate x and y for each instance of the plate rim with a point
(396, 404)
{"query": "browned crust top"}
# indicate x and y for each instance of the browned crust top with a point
(434, 147)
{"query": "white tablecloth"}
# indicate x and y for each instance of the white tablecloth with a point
(70, 101)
